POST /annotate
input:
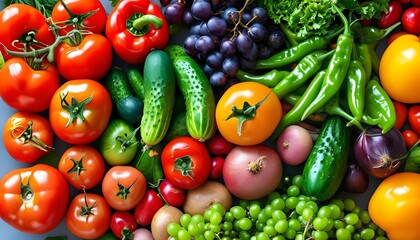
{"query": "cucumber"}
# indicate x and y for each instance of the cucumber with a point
(135, 79)
(199, 98)
(148, 162)
(177, 128)
(159, 96)
(174, 51)
(327, 162)
(129, 107)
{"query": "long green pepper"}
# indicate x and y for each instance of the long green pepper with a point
(355, 89)
(269, 79)
(337, 68)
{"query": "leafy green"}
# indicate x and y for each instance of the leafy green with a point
(44, 6)
(315, 17)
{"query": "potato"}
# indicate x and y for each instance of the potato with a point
(162, 218)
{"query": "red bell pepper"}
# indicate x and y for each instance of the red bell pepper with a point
(135, 27)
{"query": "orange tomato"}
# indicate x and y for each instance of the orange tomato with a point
(395, 206)
(399, 70)
(254, 103)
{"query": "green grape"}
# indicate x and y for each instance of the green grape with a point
(185, 220)
(245, 223)
(209, 235)
(172, 238)
(278, 214)
(350, 228)
(197, 218)
(342, 234)
(320, 223)
(290, 233)
(324, 211)
(320, 235)
(183, 234)
(367, 234)
(268, 209)
(338, 202)
(207, 214)
(216, 218)
(194, 229)
(351, 218)
(295, 224)
(291, 202)
(262, 236)
(279, 237)
(226, 238)
(356, 210)
(238, 212)
(293, 191)
(244, 235)
(381, 238)
(227, 226)
(215, 228)
(339, 224)
(262, 217)
(281, 226)
(217, 207)
(372, 225)
(356, 236)
(269, 230)
(254, 210)
(307, 213)
(270, 222)
(229, 217)
(349, 204)
(380, 232)
(273, 195)
(299, 236)
(304, 198)
(201, 226)
(364, 217)
(278, 204)
(313, 205)
(300, 206)
(173, 228)
(297, 180)
(335, 211)
(244, 203)
(259, 225)
(330, 225)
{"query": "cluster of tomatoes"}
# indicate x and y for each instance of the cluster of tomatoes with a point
(406, 11)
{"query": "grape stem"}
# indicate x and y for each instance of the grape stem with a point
(238, 22)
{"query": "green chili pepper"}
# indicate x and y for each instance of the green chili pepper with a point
(379, 109)
(304, 70)
(337, 68)
(332, 107)
(296, 53)
(292, 98)
(355, 89)
(295, 114)
(365, 58)
(291, 37)
(372, 34)
(375, 59)
(269, 79)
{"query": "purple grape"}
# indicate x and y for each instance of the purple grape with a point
(264, 51)
(258, 32)
(189, 45)
(243, 43)
(230, 65)
(217, 26)
(246, 64)
(215, 60)
(208, 70)
(205, 44)
(218, 79)
(230, 15)
(195, 28)
(260, 13)
(228, 48)
(187, 18)
(276, 39)
(173, 12)
(201, 10)
(246, 17)
(251, 55)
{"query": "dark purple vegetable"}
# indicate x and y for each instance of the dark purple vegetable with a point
(355, 180)
(379, 155)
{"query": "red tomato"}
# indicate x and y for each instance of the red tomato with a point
(393, 16)
(147, 207)
(26, 89)
(123, 224)
(415, 3)
(80, 111)
(27, 136)
(90, 15)
(186, 162)
(414, 118)
(34, 200)
(410, 137)
(216, 171)
(88, 216)
(401, 111)
(123, 187)
(22, 24)
(410, 20)
(172, 195)
(218, 145)
(82, 166)
(91, 58)
(403, 1)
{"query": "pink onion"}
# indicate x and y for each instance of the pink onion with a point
(294, 145)
(379, 154)
(252, 172)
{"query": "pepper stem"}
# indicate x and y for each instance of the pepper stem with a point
(139, 24)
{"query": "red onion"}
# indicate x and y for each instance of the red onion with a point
(356, 180)
(379, 154)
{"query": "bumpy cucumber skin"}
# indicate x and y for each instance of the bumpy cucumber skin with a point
(326, 165)
(116, 83)
(159, 94)
(198, 96)
(136, 82)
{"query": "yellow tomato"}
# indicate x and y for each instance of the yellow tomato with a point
(395, 206)
(399, 69)
(257, 106)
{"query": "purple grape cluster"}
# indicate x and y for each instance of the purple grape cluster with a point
(225, 35)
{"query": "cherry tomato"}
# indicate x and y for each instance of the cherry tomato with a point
(410, 20)
(28, 89)
(27, 136)
(401, 111)
(252, 127)
(123, 224)
(90, 58)
(82, 166)
(123, 187)
(34, 199)
(410, 137)
(216, 171)
(147, 207)
(186, 162)
(88, 216)
(172, 195)
(82, 11)
(80, 110)
(218, 145)
(415, 3)
(393, 16)
(414, 118)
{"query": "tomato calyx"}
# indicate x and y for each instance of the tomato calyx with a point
(24, 133)
(139, 24)
(86, 210)
(76, 20)
(126, 233)
(127, 140)
(77, 166)
(247, 112)
(26, 192)
(76, 109)
(123, 192)
(184, 165)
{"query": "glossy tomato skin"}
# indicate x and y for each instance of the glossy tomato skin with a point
(41, 206)
(395, 10)
(123, 187)
(23, 123)
(26, 89)
(415, 3)
(121, 220)
(410, 20)
(186, 162)
(147, 207)
(91, 59)
(17, 20)
(399, 73)
(172, 195)
(218, 145)
(257, 129)
(88, 216)
(401, 111)
(217, 163)
(414, 118)
(92, 102)
(410, 137)
(95, 23)
(82, 166)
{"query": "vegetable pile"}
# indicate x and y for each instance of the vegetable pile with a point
(268, 120)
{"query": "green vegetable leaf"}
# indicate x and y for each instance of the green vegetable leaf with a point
(44, 6)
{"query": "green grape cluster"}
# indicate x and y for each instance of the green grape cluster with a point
(284, 214)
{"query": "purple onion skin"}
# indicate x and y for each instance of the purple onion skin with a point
(356, 180)
(380, 155)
